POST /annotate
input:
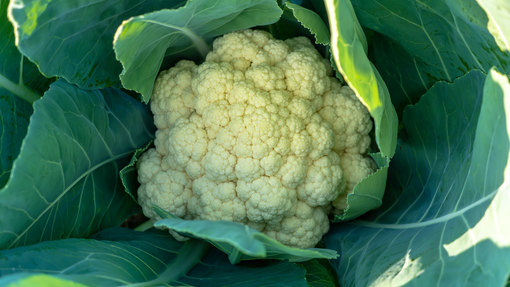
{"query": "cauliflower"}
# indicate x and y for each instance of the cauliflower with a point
(261, 134)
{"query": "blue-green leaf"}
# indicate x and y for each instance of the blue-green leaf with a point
(129, 175)
(368, 193)
(311, 21)
(443, 220)
(434, 40)
(20, 85)
(237, 240)
(319, 275)
(119, 256)
(73, 39)
(405, 76)
(142, 42)
(65, 183)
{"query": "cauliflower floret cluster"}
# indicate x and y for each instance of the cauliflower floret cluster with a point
(260, 134)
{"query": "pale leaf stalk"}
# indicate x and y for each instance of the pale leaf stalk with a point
(19, 89)
(144, 226)
(190, 255)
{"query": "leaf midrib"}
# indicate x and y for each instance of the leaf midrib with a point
(441, 219)
(65, 191)
(19, 90)
(198, 41)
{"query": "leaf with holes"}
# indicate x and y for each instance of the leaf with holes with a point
(442, 222)
(66, 183)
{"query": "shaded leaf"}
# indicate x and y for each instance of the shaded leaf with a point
(405, 76)
(142, 42)
(442, 220)
(237, 240)
(19, 79)
(433, 40)
(311, 21)
(129, 174)
(65, 183)
(317, 274)
(120, 256)
(368, 193)
(73, 39)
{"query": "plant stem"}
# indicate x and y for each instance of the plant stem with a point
(19, 90)
(144, 226)
(190, 255)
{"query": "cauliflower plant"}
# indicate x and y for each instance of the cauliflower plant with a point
(261, 134)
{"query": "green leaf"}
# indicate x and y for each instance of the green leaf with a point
(498, 14)
(18, 80)
(442, 222)
(317, 274)
(311, 21)
(129, 174)
(305, 22)
(142, 42)
(368, 193)
(237, 240)
(73, 39)
(320, 9)
(65, 183)
(40, 280)
(407, 78)
(315, 25)
(119, 256)
(349, 47)
(434, 40)
(289, 27)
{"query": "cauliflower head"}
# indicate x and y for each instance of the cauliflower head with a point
(260, 134)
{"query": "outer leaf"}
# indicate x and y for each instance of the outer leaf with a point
(349, 49)
(129, 175)
(317, 275)
(289, 27)
(65, 183)
(367, 194)
(442, 221)
(120, 256)
(407, 78)
(73, 39)
(142, 42)
(40, 280)
(434, 40)
(498, 14)
(18, 80)
(238, 240)
(311, 21)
